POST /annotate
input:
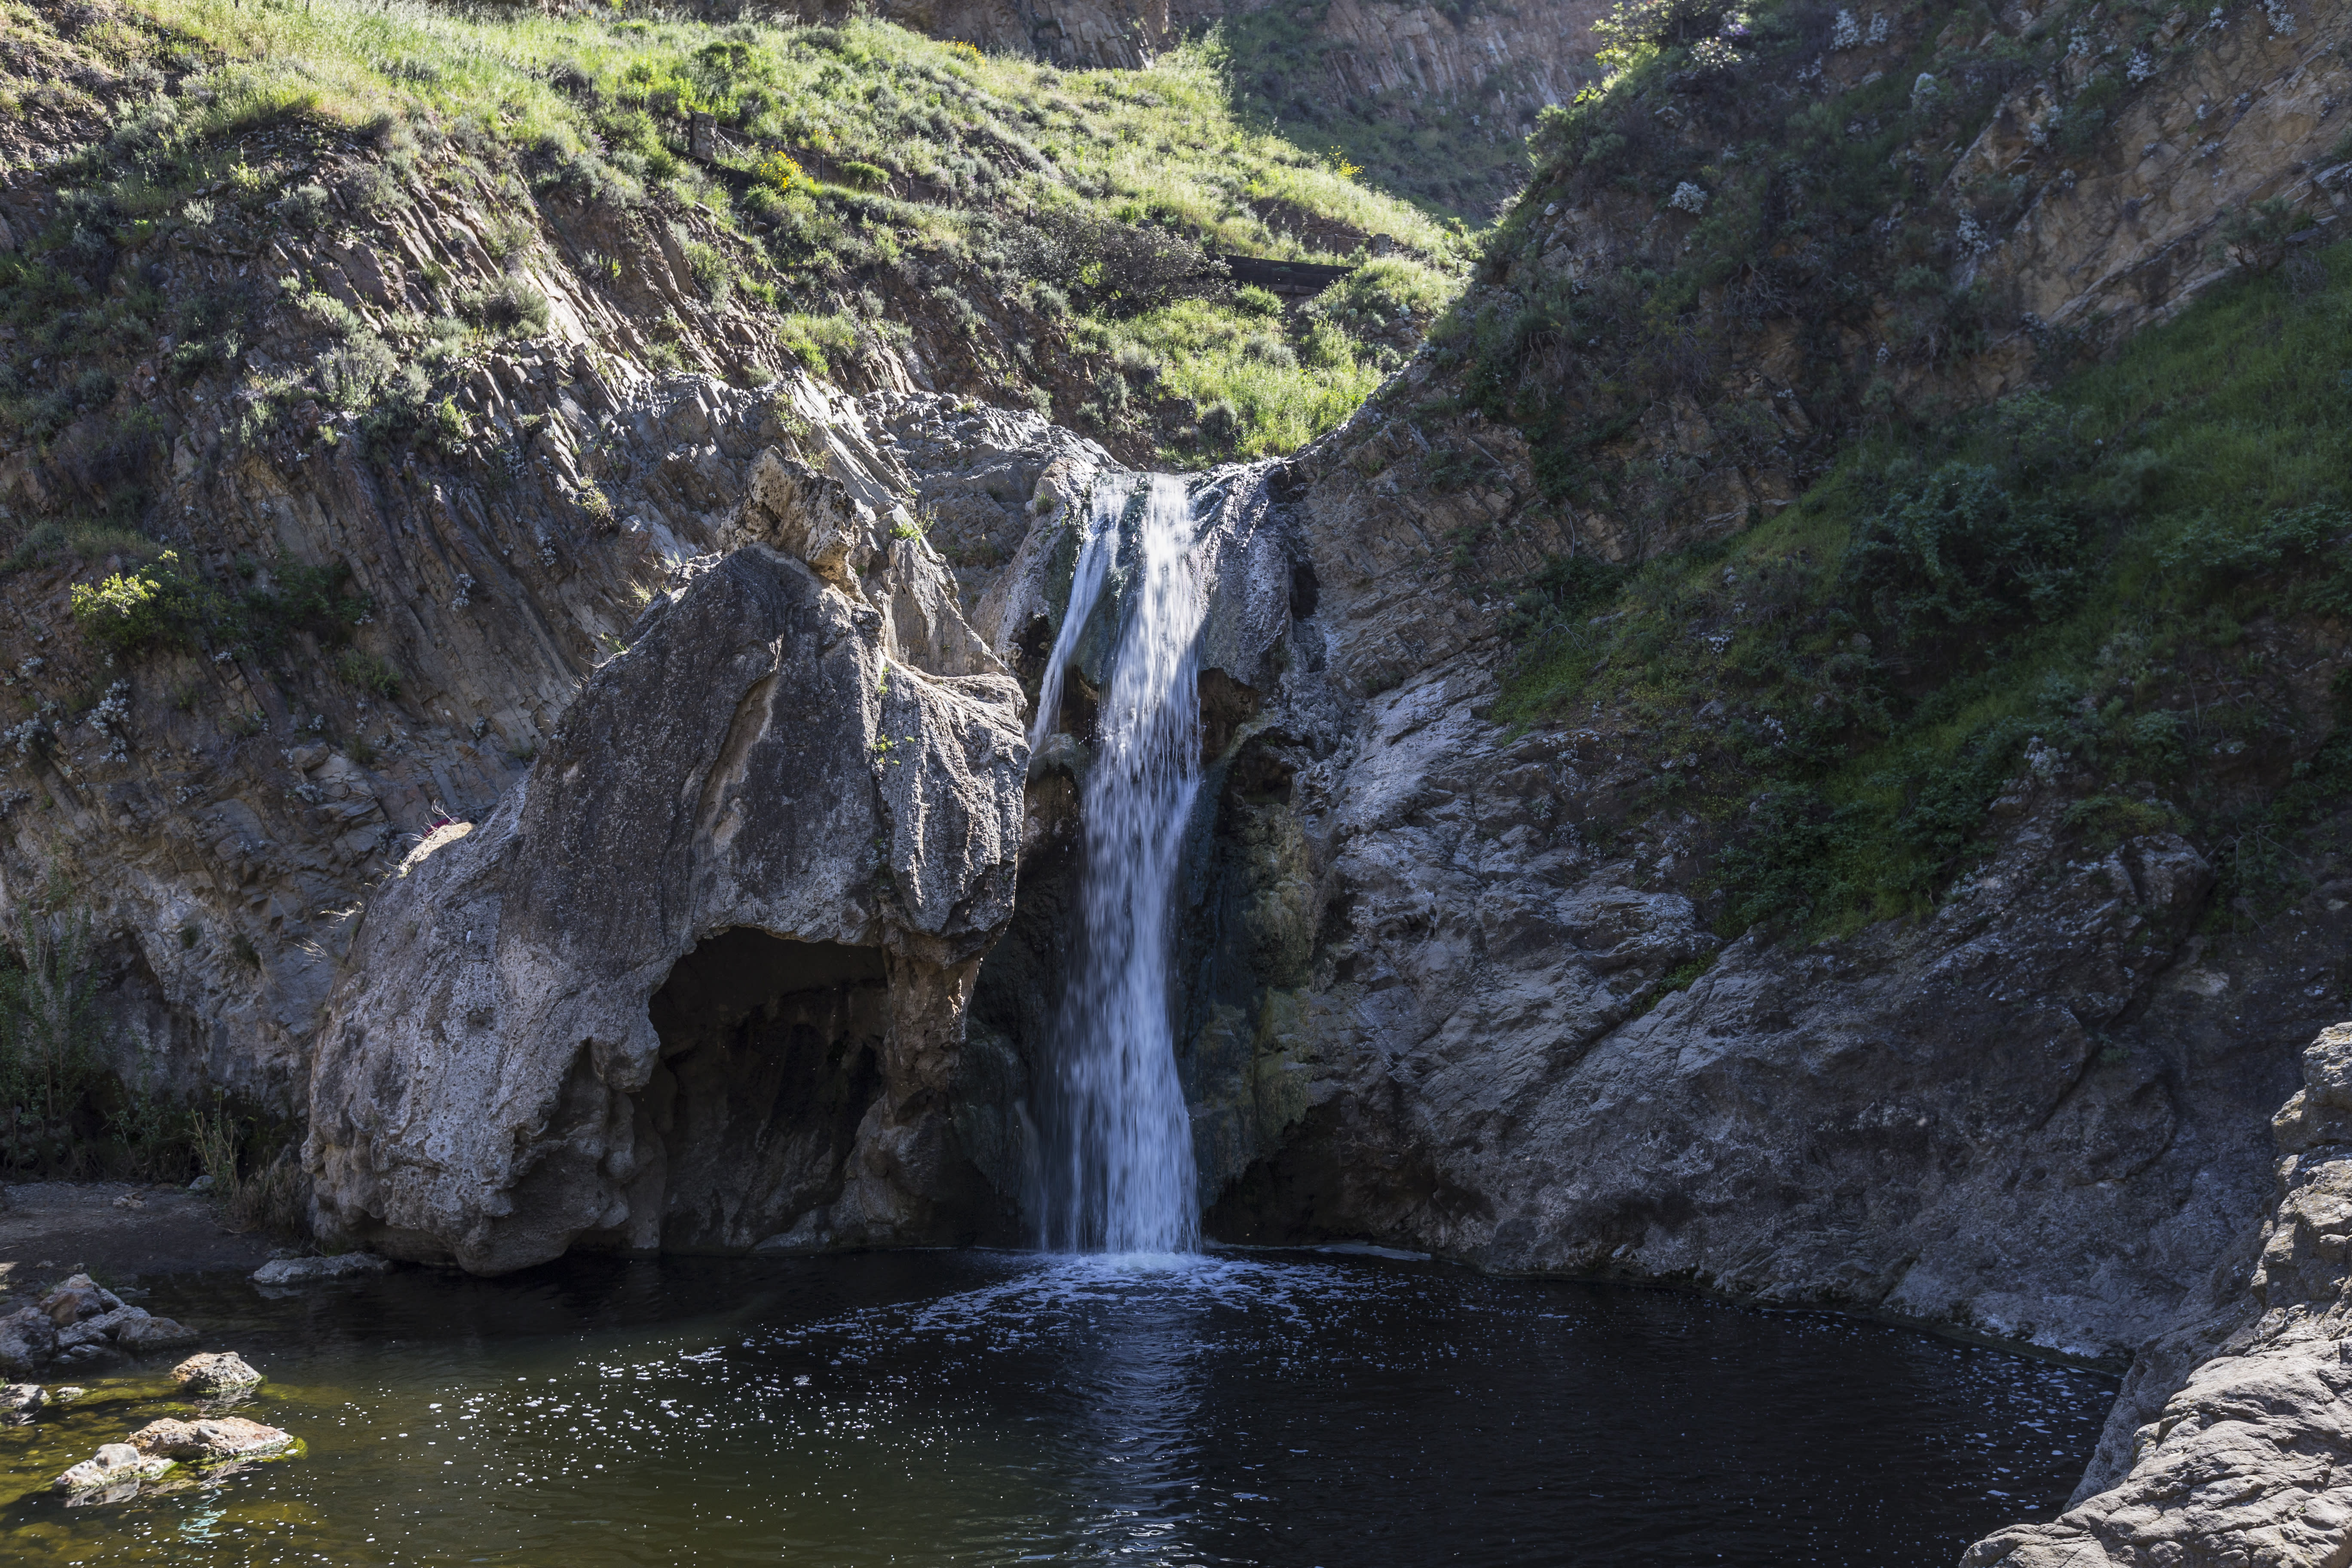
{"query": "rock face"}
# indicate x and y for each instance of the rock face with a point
(2246, 1463)
(697, 981)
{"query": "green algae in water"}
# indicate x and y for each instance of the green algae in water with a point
(984, 1408)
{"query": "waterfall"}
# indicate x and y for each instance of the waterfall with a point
(1094, 547)
(1116, 1170)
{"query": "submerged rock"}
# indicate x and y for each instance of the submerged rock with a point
(309, 1270)
(143, 1335)
(213, 1372)
(212, 1438)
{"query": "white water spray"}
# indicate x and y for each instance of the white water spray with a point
(1118, 1165)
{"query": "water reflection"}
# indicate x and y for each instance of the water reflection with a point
(937, 1408)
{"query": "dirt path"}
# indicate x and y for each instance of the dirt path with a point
(51, 1229)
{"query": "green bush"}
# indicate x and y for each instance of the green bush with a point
(713, 271)
(1956, 549)
(511, 305)
(149, 605)
(366, 672)
(818, 341)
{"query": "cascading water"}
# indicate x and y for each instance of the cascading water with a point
(1094, 548)
(1116, 1171)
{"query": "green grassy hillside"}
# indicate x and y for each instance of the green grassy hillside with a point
(872, 172)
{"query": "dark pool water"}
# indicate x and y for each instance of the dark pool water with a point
(985, 1408)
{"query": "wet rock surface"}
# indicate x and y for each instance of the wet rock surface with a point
(310, 1270)
(115, 1470)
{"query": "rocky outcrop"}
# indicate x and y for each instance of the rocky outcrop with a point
(2246, 1463)
(1502, 62)
(697, 983)
(81, 1320)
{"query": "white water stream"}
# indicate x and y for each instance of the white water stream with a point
(1116, 1169)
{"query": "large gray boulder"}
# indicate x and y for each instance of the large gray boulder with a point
(697, 981)
(2251, 1461)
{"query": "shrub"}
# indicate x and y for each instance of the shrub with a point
(815, 341)
(778, 170)
(713, 271)
(510, 305)
(368, 673)
(127, 611)
(1254, 300)
(1118, 267)
(1956, 549)
(862, 176)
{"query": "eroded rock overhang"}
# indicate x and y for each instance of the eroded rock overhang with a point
(767, 755)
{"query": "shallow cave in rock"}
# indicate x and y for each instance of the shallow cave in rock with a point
(770, 1052)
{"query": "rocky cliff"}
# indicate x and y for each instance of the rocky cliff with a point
(2244, 1461)
(754, 918)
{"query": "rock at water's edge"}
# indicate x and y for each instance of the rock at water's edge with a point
(214, 1437)
(2251, 1462)
(144, 1335)
(309, 1270)
(213, 1372)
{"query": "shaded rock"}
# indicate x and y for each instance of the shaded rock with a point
(20, 1402)
(2246, 1462)
(142, 1335)
(78, 1298)
(308, 1270)
(105, 1326)
(705, 969)
(211, 1437)
(28, 1338)
(114, 1466)
(213, 1372)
